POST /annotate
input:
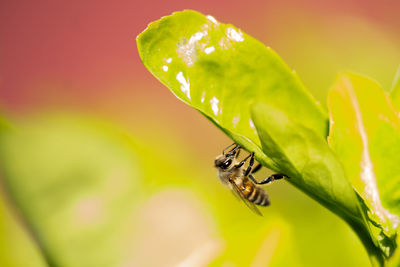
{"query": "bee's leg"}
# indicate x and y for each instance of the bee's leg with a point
(244, 160)
(256, 168)
(237, 154)
(251, 163)
(226, 148)
(234, 151)
(269, 179)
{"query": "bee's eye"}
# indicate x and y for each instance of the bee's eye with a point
(226, 164)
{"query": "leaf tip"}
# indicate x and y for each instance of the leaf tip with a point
(146, 37)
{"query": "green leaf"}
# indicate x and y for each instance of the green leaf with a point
(394, 261)
(220, 71)
(365, 135)
(305, 157)
(51, 164)
(312, 167)
(16, 245)
(248, 92)
(76, 182)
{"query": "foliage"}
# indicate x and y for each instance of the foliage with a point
(78, 191)
(77, 180)
(247, 91)
(73, 167)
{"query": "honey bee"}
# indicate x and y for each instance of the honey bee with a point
(240, 180)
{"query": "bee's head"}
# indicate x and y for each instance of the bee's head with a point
(224, 161)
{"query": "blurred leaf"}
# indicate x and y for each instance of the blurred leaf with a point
(16, 246)
(221, 71)
(180, 185)
(365, 135)
(76, 182)
(395, 93)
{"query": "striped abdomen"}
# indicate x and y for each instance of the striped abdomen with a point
(254, 193)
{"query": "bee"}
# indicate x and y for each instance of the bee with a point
(240, 180)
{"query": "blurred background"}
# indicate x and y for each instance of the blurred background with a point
(108, 168)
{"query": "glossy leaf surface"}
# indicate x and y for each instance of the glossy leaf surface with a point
(219, 70)
(365, 134)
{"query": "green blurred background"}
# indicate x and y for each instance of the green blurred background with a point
(107, 168)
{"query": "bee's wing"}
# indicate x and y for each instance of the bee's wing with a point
(236, 190)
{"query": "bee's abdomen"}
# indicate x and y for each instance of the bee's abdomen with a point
(255, 194)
